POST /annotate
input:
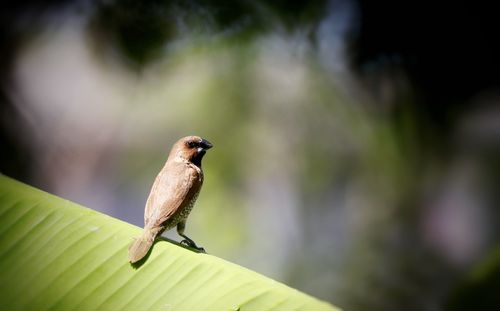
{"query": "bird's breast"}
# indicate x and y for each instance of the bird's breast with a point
(189, 206)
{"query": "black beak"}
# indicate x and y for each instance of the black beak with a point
(205, 144)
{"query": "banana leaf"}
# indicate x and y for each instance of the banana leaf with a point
(55, 254)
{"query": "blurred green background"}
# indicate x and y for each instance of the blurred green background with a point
(356, 143)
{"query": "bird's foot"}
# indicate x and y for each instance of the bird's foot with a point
(191, 244)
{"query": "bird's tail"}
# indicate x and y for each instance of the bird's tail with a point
(142, 244)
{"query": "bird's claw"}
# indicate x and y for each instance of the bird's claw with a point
(201, 250)
(191, 244)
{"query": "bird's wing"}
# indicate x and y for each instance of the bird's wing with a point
(174, 187)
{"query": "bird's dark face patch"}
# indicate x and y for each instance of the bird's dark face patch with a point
(198, 143)
(196, 147)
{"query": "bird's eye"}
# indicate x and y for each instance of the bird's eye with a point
(191, 144)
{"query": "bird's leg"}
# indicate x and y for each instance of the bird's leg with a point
(187, 241)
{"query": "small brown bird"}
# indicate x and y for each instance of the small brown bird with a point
(173, 195)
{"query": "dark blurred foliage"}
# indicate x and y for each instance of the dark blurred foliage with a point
(435, 58)
(448, 49)
(449, 53)
(142, 28)
(479, 290)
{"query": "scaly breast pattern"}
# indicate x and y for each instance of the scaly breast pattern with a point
(184, 212)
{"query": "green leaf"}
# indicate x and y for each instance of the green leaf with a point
(55, 254)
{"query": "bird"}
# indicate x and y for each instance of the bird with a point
(172, 195)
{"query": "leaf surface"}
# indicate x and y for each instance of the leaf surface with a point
(55, 254)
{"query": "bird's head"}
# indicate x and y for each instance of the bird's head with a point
(191, 148)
